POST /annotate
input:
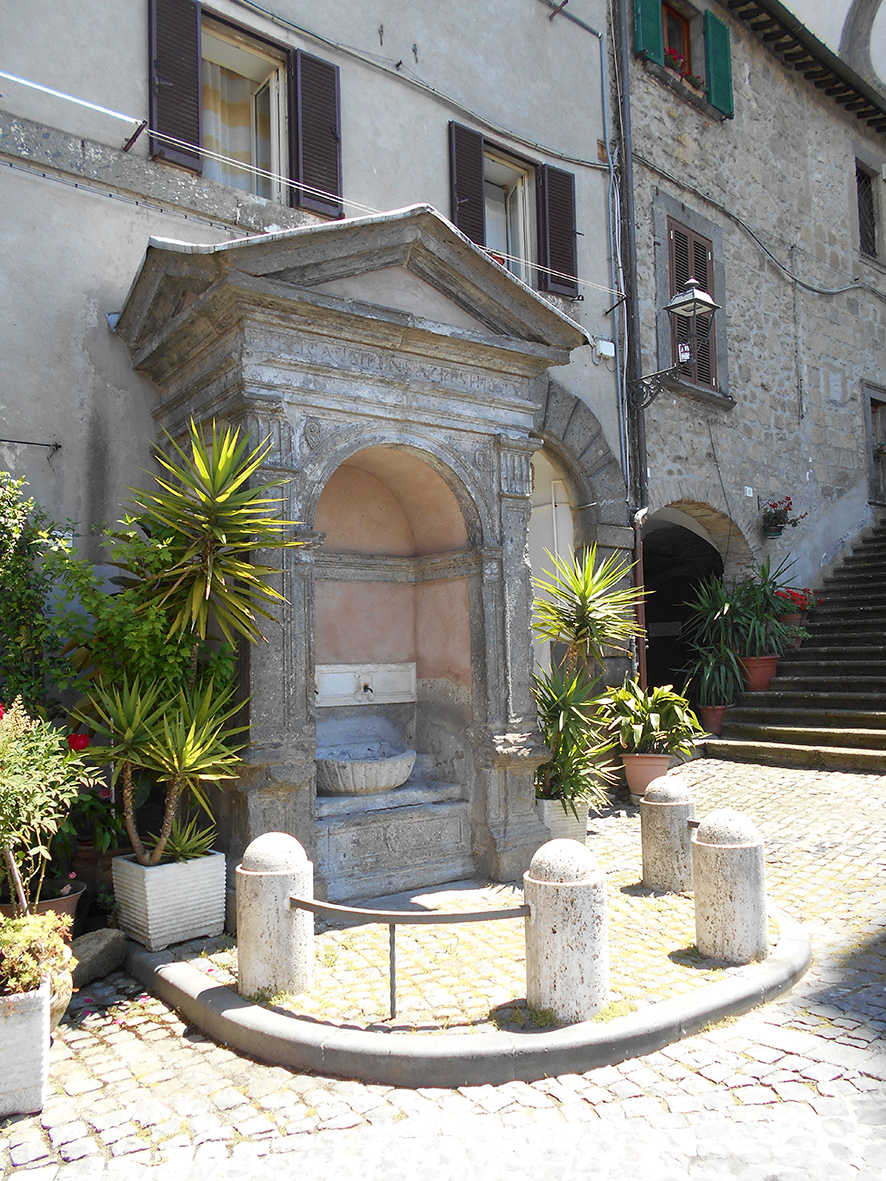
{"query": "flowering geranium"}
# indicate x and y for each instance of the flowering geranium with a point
(78, 741)
(778, 512)
(797, 599)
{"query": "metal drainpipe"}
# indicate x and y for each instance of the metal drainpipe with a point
(632, 366)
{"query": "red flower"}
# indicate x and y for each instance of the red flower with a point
(2, 710)
(78, 741)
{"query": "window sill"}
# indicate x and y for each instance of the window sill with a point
(674, 83)
(700, 393)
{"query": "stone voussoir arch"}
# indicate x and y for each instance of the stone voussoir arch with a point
(574, 437)
(729, 535)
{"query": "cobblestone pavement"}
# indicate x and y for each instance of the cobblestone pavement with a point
(795, 1090)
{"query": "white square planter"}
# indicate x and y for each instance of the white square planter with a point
(560, 822)
(24, 1038)
(162, 904)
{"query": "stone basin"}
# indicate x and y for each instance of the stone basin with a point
(362, 768)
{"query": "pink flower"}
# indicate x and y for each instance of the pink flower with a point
(78, 741)
(105, 793)
(2, 710)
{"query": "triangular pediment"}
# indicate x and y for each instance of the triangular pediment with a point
(411, 262)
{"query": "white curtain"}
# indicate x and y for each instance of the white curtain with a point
(227, 124)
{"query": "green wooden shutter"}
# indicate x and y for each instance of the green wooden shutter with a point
(648, 32)
(718, 62)
(466, 172)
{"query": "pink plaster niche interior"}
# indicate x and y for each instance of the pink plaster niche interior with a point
(389, 503)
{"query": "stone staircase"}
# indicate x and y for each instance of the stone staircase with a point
(826, 707)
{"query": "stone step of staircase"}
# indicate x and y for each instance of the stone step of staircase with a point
(812, 734)
(828, 635)
(829, 663)
(822, 715)
(817, 699)
(778, 754)
(823, 682)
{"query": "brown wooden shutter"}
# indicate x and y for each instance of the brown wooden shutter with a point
(174, 48)
(691, 256)
(315, 134)
(556, 231)
(466, 169)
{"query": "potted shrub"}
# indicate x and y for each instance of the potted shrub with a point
(149, 666)
(649, 727)
(33, 955)
(757, 636)
(581, 605)
(40, 775)
(574, 778)
(776, 516)
(713, 673)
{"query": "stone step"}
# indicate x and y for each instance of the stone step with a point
(777, 700)
(809, 735)
(823, 716)
(812, 682)
(776, 754)
(815, 663)
(827, 635)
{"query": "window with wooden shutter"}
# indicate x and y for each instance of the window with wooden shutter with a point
(523, 214)
(317, 135)
(556, 231)
(690, 256)
(648, 31)
(718, 62)
(174, 50)
(466, 175)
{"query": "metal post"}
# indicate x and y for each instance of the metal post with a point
(392, 961)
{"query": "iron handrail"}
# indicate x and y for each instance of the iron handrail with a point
(393, 918)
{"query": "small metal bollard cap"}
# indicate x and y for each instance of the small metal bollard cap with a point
(726, 827)
(668, 789)
(563, 861)
(274, 852)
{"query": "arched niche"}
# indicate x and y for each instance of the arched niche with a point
(393, 598)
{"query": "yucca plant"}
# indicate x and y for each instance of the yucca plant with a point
(149, 674)
(580, 604)
(577, 768)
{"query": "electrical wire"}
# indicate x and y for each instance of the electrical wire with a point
(276, 178)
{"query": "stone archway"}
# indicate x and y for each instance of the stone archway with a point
(683, 544)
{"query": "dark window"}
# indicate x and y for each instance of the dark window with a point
(491, 202)
(867, 212)
(216, 87)
(690, 256)
(677, 49)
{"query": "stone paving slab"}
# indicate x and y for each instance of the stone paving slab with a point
(793, 1090)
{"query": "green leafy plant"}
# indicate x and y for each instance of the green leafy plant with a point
(713, 672)
(576, 769)
(40, 775)
(580, 604)
(32, 947)
(648, 721)
(186, 841)
(30, 643)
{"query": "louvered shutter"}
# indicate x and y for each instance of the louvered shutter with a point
(315, 134)
(466, 169)
(556, 231)
(174, 48)
(691, 257)
(648, 30)
(718, 64)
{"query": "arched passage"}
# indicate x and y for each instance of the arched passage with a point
(683, 544)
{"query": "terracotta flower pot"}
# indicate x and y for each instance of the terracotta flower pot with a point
(712, 717)
(758, 672)
(640, 770)
(61, 904)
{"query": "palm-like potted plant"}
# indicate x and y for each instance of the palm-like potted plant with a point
(649, 727)
(757, 636)
(575, 777)
(33, 954)
(713, 673)
(151, 678)
(580, 604)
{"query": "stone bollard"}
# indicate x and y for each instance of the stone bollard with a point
(567, 937)
(729, 875)
(275, 942)
(667, 846)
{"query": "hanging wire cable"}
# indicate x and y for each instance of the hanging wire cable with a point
(276, 178)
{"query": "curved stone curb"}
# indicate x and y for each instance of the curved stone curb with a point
(454, 1060)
